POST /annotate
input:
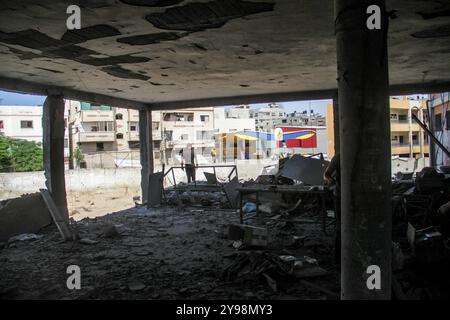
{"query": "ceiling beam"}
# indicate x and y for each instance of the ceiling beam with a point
(246, 99)
(21, 86)
(17, 85)
(419, 88)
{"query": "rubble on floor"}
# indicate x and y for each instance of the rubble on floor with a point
(158, 253)
(25, 214)
(421, 220)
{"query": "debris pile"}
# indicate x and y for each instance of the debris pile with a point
(421, 231)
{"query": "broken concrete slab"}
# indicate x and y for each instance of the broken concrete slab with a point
(155, 186)
(210, 178)
(250, 235)
(26, 214)
(231, 192)
(308, 170)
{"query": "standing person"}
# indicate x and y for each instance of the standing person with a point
(213, 154)
(332, 176)
(188, 161)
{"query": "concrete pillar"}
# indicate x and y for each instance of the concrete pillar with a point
(421, 135)
(337, 136)
(146, 149)
(410, 133)
(53, 148)
(365, 151)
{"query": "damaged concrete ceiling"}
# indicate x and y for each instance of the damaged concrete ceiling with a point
(157, 51)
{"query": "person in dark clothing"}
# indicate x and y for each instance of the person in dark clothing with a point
(332, 177)
(188, 162)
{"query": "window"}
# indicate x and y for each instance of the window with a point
(133, 128)
(1, 124)
(401, 139)
(438, 122)
(94, 129)
(66, 143)
(447, 120)
(119, 116)
(26, 124)
(100, 146)
(184, 137)
(119, 136)
(414, 137)
(394, 116)
(402, 117)
(204, 118)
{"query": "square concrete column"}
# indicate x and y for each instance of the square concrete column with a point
(365, 146)
(146, 149)
(53, 145)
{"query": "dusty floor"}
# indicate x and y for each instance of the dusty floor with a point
(99, 202)
(163, 253)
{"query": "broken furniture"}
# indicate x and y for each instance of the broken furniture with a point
(323, 193)
(305, 169)
(208, 187)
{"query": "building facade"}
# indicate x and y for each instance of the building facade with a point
(407, 138)
(267, 119)
(25, 123)
(440, 105)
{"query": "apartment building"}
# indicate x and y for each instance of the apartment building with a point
(25, 123)
(183, 127)
(267, 119)
(440, 105)
(407, 138)
(107, 136)
(233, 119)
(238, 112)
(304, 118)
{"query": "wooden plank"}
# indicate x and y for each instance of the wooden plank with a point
(60, 222)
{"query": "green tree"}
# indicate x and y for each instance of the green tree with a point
(5, 154)
(78, 155)
(21, 155)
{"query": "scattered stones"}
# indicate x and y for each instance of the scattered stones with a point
(110, 231)
(136, 286)
(87, 241)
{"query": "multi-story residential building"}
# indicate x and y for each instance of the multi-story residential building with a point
(183, 127)
(25, 123)
(407, 138)
(304, 119)
(98, 130)
(267, 119)
(440, 105)
(93, 127)
(233, 119)
(238, 112)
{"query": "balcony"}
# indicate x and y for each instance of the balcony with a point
(403, 126)
(134, 136)
(97, 136)
(403, 148)
(96, 115)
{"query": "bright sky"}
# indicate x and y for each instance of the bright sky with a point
(9, 98)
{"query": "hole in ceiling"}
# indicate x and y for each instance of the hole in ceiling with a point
(201, 16)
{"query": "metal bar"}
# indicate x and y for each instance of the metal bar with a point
(433, 137)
